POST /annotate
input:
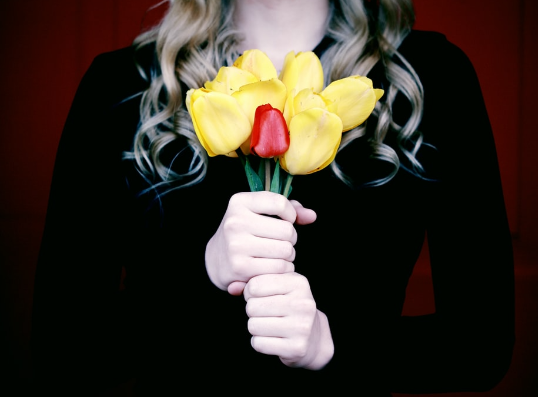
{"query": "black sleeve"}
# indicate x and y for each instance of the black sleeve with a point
(80, 330)
(466, 345)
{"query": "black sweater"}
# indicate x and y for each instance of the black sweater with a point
(173, 330)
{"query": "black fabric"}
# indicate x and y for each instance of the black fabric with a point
(174, 331)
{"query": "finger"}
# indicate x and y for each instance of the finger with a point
(264, 248)
(305, 216)
(261, 266)
(267, 326)
(247, 222)
(236, 288)
(272, 284)
(272, 306)
(272, 228)
(267, 203)
(271, 345)
(254, 267)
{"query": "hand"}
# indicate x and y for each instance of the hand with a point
(249, 243)
(284, 320)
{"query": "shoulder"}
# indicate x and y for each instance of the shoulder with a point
(422, 42)
(126, 59)
(452, 92)
(432, 54)
(108, 96)
(119, 74)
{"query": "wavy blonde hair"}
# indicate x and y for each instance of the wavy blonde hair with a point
(196, 37)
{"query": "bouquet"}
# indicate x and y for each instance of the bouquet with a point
(289, 121)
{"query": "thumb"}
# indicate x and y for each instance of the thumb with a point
(305, 216)
(236, 288)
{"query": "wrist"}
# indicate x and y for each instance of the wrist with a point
(326, 345)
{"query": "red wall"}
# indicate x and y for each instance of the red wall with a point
(500, 39)
(47, 45)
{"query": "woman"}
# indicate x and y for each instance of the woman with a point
(308, 299)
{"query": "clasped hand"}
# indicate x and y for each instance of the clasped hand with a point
(252, 253)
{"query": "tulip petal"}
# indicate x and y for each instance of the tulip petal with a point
(378, 93)
(353, 99)
(364, 79)
(219, 123)
(230, 79)
(288, 107)
(188, 99)
(257, 63)
(193, 95)
(301, 71)
(251, 96)
(304, 100)
(315, 135)
(307, 99)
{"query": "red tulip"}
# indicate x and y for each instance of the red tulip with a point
(270, 136)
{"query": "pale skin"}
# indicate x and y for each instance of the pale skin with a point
(251, 253)
(280, 26)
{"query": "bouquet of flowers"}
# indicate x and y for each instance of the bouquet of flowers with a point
(289, 120)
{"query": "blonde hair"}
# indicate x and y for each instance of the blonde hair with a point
(196, 37)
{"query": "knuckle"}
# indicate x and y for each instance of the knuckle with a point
(300, 348)
(288, 251)
(251, 326)
(284, 266)
(307, 307)
(254, 286)
(234, 247)
(255, 343)
(231, 224)
(248, 308)
(301, 279)
(289, 231)
(280, 203)
(236, 198)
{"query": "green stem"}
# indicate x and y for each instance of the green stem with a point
(287, 186)
(267, 174)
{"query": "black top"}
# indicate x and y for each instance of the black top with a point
(175, 331)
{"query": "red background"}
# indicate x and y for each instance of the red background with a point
(47, 46)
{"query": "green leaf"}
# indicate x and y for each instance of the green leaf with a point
(275, 183)
(261, 169)
(254, 180)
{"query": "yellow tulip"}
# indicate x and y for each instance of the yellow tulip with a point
(251, 96)
(303, 100)
(223, 110)
(315, 136)
(230, 79)
(352, 98)
(301, 71)
(257, 63)
(317, 117)
(219, 122)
